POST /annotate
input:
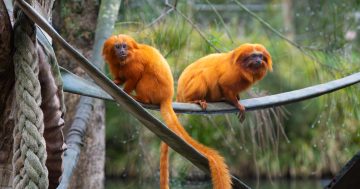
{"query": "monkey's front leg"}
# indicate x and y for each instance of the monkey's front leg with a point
(241, 114)
(119, 81)
(234, 99)
(130, 86)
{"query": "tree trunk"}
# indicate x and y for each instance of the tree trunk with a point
(75, 19)
(90, 169)
(7, 103)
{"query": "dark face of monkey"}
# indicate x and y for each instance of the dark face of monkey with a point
(255, 61)
(253, 57)
(121, 50)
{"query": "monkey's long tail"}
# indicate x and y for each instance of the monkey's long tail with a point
(220, 175)
(164, 166)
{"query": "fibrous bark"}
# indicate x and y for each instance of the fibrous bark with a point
(6, 37)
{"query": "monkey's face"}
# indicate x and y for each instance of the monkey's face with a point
(119, 48)
(253, 57)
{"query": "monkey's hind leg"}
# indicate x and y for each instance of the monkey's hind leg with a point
(196, 93)
(141, 99)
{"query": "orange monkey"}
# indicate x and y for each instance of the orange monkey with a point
(141, 68)
(222, 76)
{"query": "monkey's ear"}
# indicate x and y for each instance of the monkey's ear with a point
(241, 53)
(105, 49)
(267, 55)
(134, 44)
(268, 61)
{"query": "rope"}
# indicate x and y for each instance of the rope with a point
(29, 145)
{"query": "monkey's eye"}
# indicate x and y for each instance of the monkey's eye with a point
(117, 46)
(256, 56)
(124, 45)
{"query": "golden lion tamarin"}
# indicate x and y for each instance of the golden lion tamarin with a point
(141, 68)
(222, 76)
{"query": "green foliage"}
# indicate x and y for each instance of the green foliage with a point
(325, 23)
(320, 135)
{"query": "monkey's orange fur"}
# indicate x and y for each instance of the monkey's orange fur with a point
(145, 71)
(222, 76)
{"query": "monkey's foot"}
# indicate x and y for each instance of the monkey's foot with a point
(202, 103)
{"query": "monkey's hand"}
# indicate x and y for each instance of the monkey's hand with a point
(234, 99)
(118, 81)
(241, 114)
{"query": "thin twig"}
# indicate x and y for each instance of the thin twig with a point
(266, 24)
(173, 8)
(168, 11)
(198, 30)
(175, 4)
(221, 20)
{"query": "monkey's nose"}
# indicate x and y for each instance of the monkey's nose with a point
(122, 53)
